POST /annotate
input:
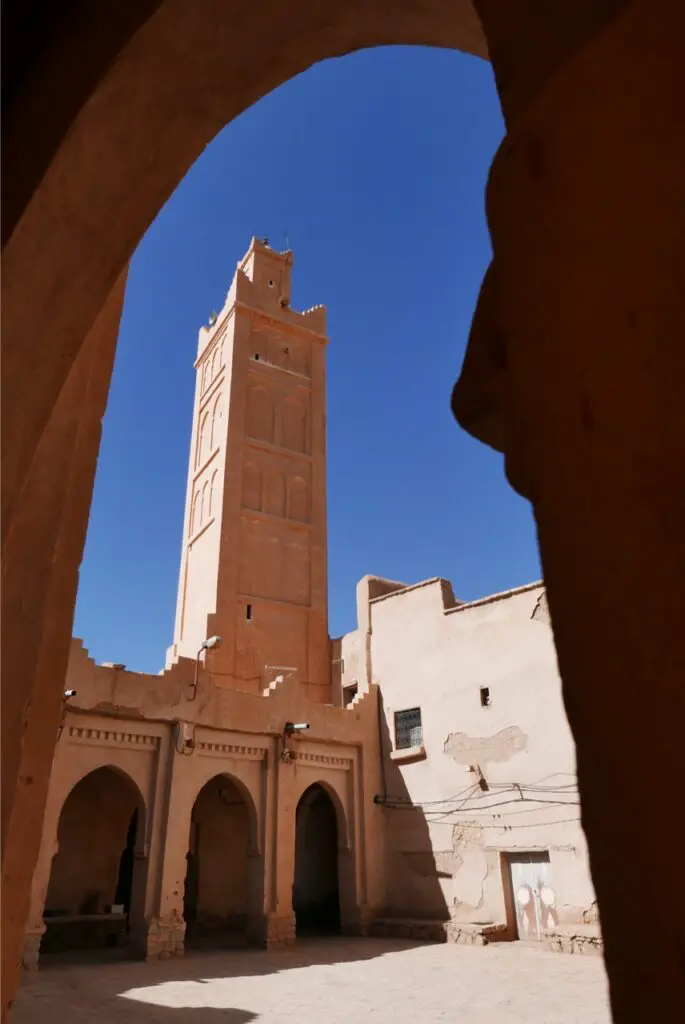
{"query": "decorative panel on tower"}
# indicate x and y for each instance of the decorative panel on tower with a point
(260, 413)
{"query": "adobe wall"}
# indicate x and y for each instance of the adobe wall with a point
(171, 746)
(445, 860)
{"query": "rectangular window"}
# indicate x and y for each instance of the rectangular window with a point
(408, 730)
(349, 693)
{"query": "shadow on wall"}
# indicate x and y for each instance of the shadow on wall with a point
(418, 886)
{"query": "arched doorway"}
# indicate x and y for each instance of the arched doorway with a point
(224, 879)
(316, 890)
(93, 893)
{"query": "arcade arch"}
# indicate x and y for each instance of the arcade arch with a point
(96, 889)
(324, 892)
(223, 896)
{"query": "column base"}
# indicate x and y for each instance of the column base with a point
(30, 953)
(164, 938)
(277, 931)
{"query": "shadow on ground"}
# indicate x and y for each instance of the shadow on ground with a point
(173, 990)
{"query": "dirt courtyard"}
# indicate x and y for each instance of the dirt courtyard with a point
(336, 981)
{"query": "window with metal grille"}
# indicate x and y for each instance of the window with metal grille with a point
(408, 731)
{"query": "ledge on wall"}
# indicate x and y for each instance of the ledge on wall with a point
(406, 754)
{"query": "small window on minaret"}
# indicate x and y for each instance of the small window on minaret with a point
(272, 284)
(485, 696)
(248, 612)
(256, 357)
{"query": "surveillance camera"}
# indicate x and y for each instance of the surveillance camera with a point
(68, 694)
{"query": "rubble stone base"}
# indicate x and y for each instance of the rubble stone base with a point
(165, 938)
(279, 931)
(30, 954)
(584, 939)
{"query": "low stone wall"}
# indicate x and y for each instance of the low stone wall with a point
(476, 934)
(581, 938)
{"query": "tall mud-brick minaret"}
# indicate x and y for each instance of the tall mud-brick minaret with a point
(254, 557)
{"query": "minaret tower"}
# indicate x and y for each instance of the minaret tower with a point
(254, 556)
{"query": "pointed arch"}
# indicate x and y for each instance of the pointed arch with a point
(212, 496)
(203, 502)
(194, 522)
(252, 486)
(298, 499)
(293, 425)
(217, 417)
(274, 493)
(202, 438)
(260, 414)
(101, 825)
(224, 886)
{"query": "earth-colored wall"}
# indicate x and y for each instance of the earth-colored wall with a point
(179, 752)
(579, 360)
(445, 859)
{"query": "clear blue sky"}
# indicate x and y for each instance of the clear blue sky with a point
(375, 165)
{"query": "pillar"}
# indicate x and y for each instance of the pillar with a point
(166, 925)
(585, 329)
(279, 916)
(42, 550)
(35, 925)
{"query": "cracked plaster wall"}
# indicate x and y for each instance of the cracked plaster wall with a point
(444, 858)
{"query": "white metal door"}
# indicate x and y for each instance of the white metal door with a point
(533, 892)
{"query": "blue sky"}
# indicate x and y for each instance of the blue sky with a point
(375, 166)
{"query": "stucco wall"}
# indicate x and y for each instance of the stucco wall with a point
(446, 836)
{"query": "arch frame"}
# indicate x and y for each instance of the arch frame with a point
(52, 844)
(351, 916)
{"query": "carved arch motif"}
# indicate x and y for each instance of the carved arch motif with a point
(252, 486)
(260, 414)
(212, 489)
(217, 417)
(298, 500)
(293, 425)
(274, 493)
(202, 438)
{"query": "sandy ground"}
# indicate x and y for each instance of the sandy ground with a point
(337, 981)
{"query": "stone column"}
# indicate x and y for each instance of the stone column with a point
(586, 205)
(166, 926)
(35, 925)
(42, 549)
(280, 918)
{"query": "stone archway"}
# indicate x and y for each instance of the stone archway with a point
(324, 898)
(223, 896)
(96, 890)
(569, 360)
